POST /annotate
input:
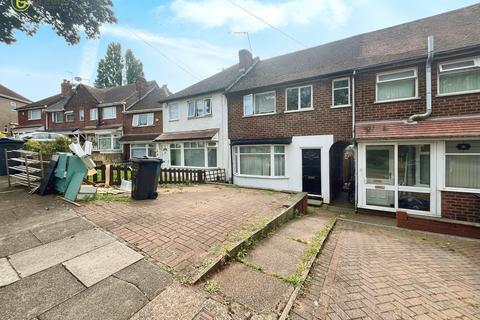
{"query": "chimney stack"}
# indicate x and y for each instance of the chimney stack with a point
(66, 88)
(245, 60)
(141, 85)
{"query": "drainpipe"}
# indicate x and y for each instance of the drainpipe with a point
(355, 161)
(428, 85)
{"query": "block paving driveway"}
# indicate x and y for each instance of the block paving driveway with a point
(372, 272)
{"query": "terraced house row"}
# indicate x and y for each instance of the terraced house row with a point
(388, 119)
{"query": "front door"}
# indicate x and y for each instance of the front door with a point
(311, 176)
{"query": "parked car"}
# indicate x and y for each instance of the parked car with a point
(41, 136)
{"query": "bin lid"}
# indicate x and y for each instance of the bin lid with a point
(10, 140)
(145, 159)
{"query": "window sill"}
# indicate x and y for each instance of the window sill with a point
(299, 110)
(461, 190)
(150, 125)
(259, 115)
(341, 106)
(200, 117)
(260, 177)
(173, 120)
(396, 100)
(456, 93)
(109, 151)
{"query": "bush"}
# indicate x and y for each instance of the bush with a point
(48, 148)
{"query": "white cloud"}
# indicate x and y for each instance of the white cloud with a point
(88, 61)
(219, 13)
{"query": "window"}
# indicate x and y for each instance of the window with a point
(459, 76)
(260, 103)
(57, 117)
(34, 114)
(81, 114)
(397, 85)
(212, 154)
(462, 164)
(260, 160)
(175, 154)
(69, 116)
(142, 150)
(194, 154)
(199, 108)
(13, 105)
(94, 114)
(173, 112)
(106, 142)
(109, 113)
(341, 92)
(142, 120)
(299, 98)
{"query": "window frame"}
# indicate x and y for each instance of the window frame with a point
(13, 105)
(29, 113)
(299, 99)
(207, 145)
(114, 108)
(170, 108)
(476, 61)
(253, 104)
(195, 108)
(272, 153)
(81, 115)
(349, 104)
(414, 69)
(54, 120)
(444, 159)
(145, 148)
(95, 111)
(112, 138)
(68, 113)
(136, 120)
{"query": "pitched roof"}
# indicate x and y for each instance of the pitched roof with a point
(7, 93)
(42, 103)
(138, 137)
(151, 100)
(452, 30)
(218, 82)
(187, 135)
(125, 93)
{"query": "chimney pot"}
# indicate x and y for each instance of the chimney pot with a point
(141, 85)
(66, 88)
(245, 60)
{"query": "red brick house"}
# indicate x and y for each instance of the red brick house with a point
(292, 117)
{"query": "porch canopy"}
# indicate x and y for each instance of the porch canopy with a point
(207, 134)
(283, 140)
(129, 138)
(429, 128)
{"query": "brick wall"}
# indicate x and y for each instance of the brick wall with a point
(23, 119)
(156, 128)
(322, 120)
(460, 206)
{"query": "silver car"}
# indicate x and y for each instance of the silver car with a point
(41, 136)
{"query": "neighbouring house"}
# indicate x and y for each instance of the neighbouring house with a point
(195, 123)
(292, 119)
(9, 102)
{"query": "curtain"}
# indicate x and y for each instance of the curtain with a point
(255, 164)
(292, 99)
(138, 151)
(175, 157)
(306, 97)
(460, 81)
(265, 103)
(194, 157)
(463, 171)
(212, 157)
(279, 165)
(396, 89)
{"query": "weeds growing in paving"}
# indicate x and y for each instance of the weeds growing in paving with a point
(211, 287)
(107, 197)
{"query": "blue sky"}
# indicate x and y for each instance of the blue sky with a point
(199, 36)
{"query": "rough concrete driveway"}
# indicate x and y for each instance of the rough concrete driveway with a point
(187, 226)
(372, 272)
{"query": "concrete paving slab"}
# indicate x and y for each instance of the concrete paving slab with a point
(7, 274)
(147, 277)
(277, 254)
(98, 264)
(34, 295)
(61, 229)
(110, 299)
(259, 291)
(303, 228)
(17, 242)
(45, 256)
(174, 303)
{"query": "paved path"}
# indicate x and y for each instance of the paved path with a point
(372, 272)
(184, 225)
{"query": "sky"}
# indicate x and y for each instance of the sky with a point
(183, 41)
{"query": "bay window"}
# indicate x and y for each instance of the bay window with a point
(259, 103)
(175, 154)
(260, 160)
(109, 113)
(341, 92)
(397, 85)
(194, 154)
(107, 142)
(462, 164)
(200, 154)
(461, 76)
(298, 98)
(142, 150)
(35, 114)
(142, 120)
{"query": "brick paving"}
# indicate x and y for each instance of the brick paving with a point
(371, 272)
(182, 227)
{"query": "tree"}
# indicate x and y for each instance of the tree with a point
(109, 71)
(133, 67)
(67, 18)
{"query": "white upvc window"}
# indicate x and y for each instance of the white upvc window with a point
(341, 92)
(69, 117)
(459, 76)
(259, 160)
(57, 117)
(13, 105)
(81, 114)
(199, 108)
(299, 98)
(142, 150)
(397, 85)
(462, 164)
(109, 113)
(94, 114)
(259, 103)
(142, 120)
(107, 142)
(173, 112)
(197, 154)
(35, 114)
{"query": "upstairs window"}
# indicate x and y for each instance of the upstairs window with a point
(173, 112)
(57, 117)
(299, 98)
(260, 103)
(199, 108)
(341, 92)
(461, 76)
(397, 85)
(109, 113)
(94, 114)
(69, 116)
(81, 114)
(13, 105)
(142, 120)
(34, 114)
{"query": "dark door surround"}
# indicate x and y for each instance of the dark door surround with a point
(311, 171)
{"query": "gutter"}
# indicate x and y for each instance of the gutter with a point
(428, 85)
(14, 99)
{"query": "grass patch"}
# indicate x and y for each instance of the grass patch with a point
(211, 287)
(310, 211)
(107, 198)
